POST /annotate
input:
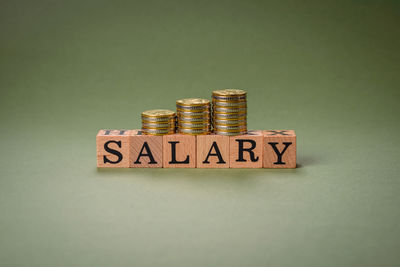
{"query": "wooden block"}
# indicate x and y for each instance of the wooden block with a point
(179, 151)
(145, 150)
(113, 148)
(246, 151)
(212, 151)
(279, 149)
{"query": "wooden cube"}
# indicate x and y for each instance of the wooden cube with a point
(179, 151)
(212, 151)
(145, 150)
(279, 149)
(113, 148)
(246, 151)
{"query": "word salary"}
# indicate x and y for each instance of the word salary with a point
(256, 149)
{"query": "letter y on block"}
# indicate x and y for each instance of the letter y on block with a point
(279, 149)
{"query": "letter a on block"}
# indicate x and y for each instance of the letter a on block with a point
(145, 150)
(113, 148)
(179, 151)
(279, 149)
(212, 151)
(246, 150)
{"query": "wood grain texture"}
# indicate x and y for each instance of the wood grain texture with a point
(246, 151)
(145, 150)
(113, 148)
(184, 147)
(206, 146)
(279, 149)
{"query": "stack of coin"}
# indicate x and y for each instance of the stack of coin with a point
(229, 112)
(158, 122)
(193, 116)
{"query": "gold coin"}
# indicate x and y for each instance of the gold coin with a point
(166, 131)
(158, 113)
(194, 131)
(230, 130)
(185, 110)
(199, 133)
(193, 119)
(229, 105)
(207, 129)
(193, 102)
(230, 113)
(158, 122)
(156, 125)
(218, 116)
(158, 129)
(195, 127)
(158, 132)
(230, 122)
(158, 119)
(229, 110)
(193, 108)
(193, 124)
(229, 92)
(229, 133)
(229, 99)
(216, 119)
(194, 115)
(230, 127)
(187, 129)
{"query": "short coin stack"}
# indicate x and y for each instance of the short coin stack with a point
(193, 116)
(158, 122)
(229, 112)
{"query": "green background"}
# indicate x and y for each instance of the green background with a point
(328, 69)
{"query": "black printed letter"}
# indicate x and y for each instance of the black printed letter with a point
(112, 151)
(217, 153)
(147, 154)
(242, 149)
(173, 154)
(279, 154)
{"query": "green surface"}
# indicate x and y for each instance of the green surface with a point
(328, 69)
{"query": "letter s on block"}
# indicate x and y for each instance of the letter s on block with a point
(112, 151)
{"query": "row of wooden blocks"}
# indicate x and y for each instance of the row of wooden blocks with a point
(256, 149)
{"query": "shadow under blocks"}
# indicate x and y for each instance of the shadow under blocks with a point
(256, 149)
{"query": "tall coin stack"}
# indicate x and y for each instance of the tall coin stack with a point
(158, 122)
(229, 112)
(193, 116)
